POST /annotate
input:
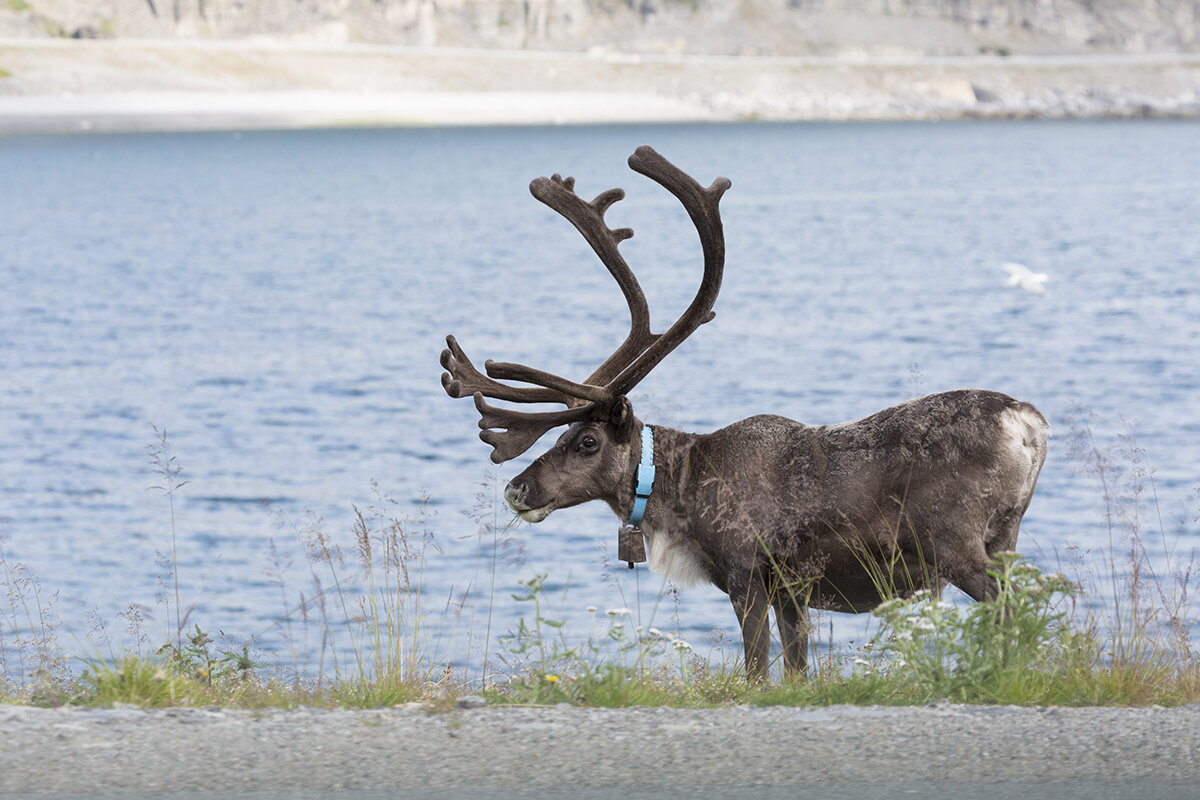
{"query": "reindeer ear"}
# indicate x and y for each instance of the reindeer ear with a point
(621, 418)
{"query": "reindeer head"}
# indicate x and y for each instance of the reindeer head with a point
(599, 452)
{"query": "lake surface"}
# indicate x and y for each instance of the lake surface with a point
(276, 303)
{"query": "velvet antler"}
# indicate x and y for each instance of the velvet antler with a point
(511, 432)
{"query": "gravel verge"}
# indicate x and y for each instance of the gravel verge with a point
(485, 752)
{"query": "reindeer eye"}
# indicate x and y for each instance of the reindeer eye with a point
(587, 443)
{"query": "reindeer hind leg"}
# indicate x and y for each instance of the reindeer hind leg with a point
(1002, 531)
(968, 570)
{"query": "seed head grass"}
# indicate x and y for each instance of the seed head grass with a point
(1113, 630)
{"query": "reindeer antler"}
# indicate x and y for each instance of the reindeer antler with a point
(703, 206)
(588, 218)
(512, 432)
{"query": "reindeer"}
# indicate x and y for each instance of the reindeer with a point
(777, 514)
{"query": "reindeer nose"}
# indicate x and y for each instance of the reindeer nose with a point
(514, 495)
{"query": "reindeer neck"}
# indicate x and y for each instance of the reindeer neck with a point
(671, 459)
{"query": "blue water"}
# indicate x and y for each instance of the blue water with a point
(276, 302)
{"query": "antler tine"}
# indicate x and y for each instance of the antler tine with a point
(703, 206)
(461, 379)
(588, 219)
(519, 372)
(511, 433)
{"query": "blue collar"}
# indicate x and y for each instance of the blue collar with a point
(645, 477)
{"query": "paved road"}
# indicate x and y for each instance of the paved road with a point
(588, 754)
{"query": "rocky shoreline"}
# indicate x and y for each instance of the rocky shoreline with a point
(53, 85)
(412, 751)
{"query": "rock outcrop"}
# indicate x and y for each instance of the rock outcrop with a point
(732, 27)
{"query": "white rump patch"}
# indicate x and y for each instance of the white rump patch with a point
(674, 560)
(1026, 428)
(1027, 439)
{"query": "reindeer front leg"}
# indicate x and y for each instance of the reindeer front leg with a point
(792, 616)
(749, 597)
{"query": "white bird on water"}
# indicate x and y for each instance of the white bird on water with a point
(1020, 275)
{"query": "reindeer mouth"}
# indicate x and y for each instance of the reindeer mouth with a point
(534, 514)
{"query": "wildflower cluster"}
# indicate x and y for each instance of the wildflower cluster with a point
(675, 642)
(968, 652)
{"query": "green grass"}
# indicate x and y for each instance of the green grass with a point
(1023, 648)
(1031, 657)
(1039, 642)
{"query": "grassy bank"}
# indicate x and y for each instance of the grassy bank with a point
(1117, 632)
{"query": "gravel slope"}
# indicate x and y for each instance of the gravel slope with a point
(127, 84)
(862, 752)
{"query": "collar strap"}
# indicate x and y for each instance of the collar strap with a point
(645, 477)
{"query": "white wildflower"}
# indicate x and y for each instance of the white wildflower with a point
(591, 609)
(886, 606)
(619, 612)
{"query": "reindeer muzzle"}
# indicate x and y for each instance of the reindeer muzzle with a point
(515, 494)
